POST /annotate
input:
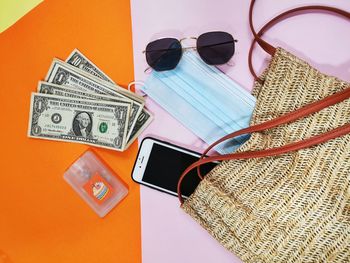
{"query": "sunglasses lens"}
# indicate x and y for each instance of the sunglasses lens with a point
(163, 54)
(216, 48)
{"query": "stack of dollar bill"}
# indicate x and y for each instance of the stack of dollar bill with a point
(77, 102)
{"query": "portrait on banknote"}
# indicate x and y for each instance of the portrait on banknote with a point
(82, 124)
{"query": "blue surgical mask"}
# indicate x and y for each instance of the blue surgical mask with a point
(203, 99)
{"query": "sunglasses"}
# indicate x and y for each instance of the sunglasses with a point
(214, 48)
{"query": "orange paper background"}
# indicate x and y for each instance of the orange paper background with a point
(41, 218)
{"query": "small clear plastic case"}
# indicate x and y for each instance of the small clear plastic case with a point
(95, 183)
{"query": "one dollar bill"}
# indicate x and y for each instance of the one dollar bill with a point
(98, 123)
(60, 90)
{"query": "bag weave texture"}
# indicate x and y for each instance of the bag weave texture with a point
(289, 208)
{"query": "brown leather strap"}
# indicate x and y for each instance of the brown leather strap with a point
(286, 118)
(292, 12)
(266, 46)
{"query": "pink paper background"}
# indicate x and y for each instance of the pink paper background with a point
(168, 234)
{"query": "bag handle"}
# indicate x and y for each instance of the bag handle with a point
(286, 118)
(287, 14)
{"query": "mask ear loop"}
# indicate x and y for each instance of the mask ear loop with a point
(141, 83)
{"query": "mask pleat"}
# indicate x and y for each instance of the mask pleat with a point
(203, 99)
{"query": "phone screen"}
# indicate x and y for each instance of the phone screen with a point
(165, 166)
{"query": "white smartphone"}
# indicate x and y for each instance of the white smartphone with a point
(160, 164)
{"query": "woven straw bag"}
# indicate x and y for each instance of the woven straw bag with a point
(288, 204)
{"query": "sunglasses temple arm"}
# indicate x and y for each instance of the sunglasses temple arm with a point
(147, 70)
